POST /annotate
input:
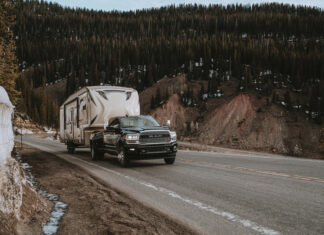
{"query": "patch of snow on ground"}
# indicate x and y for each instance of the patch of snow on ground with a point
(49, 130)
(6, 134)
(50, 138)
(23, 131)
(59, 208)
(11, 179)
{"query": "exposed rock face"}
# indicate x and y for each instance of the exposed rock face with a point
(243, 121)
(238, 123)
(172, 110)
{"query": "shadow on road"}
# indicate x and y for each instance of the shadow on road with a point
(85, 155)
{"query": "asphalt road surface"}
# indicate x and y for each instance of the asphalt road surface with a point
(217, 193)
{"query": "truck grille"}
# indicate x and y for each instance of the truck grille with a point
(155, 137)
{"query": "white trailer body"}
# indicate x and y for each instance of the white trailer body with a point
(90, 109)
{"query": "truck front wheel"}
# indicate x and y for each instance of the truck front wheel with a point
(122, 157)
(169, 161)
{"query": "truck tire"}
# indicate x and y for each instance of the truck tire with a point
(95, 154)
(169, 161)
(122, 157)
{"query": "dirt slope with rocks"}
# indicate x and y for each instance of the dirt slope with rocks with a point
(243, 121)
(237, 123)
(174, 111)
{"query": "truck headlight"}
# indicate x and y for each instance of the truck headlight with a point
(173, 136)
(132, 138)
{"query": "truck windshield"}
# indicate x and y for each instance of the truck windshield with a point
(143, 121)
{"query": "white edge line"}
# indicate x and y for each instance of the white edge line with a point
(227, 215)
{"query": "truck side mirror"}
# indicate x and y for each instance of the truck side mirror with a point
(168, 123)
(111, 129)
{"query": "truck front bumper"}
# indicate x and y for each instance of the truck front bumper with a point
(151, 151)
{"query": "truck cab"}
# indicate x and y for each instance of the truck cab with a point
(135, 138)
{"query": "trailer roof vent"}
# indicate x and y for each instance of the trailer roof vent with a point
(128, 95)
(102, 94)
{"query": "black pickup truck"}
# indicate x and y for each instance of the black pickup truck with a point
(135, 138)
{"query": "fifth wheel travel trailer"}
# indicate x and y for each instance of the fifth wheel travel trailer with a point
(89, 110)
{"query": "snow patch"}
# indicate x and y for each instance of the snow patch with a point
(51, 138)
(23, 131)
(49, 130)
(59, 208)
(11, 179)
(6, 134)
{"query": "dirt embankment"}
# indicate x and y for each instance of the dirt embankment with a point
(174, 111)
(244, 121)
(94, 208)
(33, 212)
(237, 123)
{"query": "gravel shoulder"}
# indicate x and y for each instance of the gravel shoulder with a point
(95, 208)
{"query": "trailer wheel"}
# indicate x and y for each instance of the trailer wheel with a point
(95, 154)
(71, 150)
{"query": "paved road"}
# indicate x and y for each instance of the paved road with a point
(218, 193)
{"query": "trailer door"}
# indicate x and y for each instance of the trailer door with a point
(83, 115)
(71, 120)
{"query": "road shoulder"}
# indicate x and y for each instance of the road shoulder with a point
(94, 208)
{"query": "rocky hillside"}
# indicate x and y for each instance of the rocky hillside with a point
(232, 119)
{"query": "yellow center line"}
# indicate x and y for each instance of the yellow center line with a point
(307, 178)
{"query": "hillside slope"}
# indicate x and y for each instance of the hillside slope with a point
(237, 120)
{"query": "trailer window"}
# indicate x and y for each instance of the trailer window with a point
(71, 114)
(68, 116)
(75, 111)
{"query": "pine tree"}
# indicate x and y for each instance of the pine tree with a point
(202, 92)
(8, 60)
(166, 97)
(274, 98)
(158, 97)
(152, 102)
(288, 100)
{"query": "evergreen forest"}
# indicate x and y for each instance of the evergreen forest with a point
(264, 46)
